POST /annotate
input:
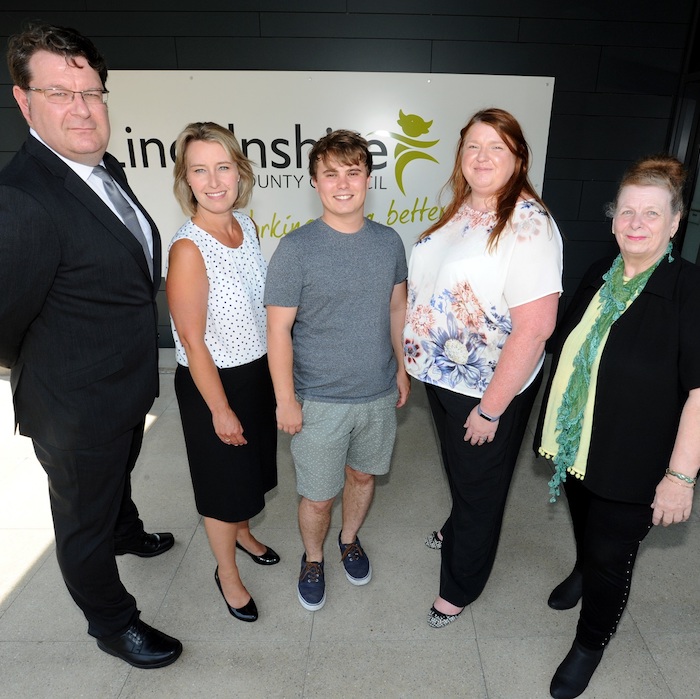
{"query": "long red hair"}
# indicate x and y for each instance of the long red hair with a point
(519, 185)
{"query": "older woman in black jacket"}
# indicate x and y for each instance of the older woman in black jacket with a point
(621, 415)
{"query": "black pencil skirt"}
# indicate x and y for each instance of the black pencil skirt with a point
(230, 482)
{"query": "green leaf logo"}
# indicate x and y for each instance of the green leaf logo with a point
(409, 147)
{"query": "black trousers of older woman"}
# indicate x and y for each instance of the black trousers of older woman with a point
(479, 479)
(608, 535)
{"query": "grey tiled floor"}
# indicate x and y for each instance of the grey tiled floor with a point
(369, 641)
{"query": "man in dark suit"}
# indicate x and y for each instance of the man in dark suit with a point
(78, 326)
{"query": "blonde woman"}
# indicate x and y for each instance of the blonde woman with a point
(215, 282)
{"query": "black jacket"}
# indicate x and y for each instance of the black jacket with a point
(650, 362)
(78, 318)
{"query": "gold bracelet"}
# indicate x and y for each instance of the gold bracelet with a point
(682, 477)
(689, 487)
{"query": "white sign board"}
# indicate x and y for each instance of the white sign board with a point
(411, 120)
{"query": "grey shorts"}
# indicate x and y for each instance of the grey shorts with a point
(360, 435)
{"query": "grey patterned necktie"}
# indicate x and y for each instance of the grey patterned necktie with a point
(125, 211)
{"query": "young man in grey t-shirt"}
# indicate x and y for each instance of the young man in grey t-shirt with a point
(336, 303)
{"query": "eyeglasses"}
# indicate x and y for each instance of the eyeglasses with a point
(59, 95)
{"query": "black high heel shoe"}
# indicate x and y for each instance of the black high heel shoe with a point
(268, 558)
(249, 612)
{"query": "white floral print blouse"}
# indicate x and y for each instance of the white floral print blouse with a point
(460, 294)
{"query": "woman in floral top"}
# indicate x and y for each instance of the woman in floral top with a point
(483, 290)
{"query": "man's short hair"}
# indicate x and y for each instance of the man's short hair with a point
(347, 147)
(47, 37)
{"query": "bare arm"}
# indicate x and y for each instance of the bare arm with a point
(674, 498)
(398, 320)
(532, 323)
(187, 289)
(280, 357)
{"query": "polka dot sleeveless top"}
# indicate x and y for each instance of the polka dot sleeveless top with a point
(235, 331)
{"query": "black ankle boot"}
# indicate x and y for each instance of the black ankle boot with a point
(573, 675)
(567, 593)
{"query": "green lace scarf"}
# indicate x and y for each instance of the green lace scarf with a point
(615, 295)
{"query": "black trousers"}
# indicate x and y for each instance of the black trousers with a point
(608, 535)
(479, 479)
(90, 495)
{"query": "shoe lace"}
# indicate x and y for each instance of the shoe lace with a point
(352, 552)
(312, 572)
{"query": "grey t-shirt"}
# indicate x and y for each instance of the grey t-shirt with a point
(341, 285)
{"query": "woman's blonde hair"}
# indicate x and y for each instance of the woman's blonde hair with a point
(212, 133)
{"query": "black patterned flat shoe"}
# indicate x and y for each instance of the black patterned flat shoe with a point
(439, 620)
(433, 541)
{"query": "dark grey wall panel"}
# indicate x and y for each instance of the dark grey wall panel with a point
(6, 98)
(169, 6)
(390, 26)
(604, 33)
(623, 10)
(591, 231)
(14, 128)
(165, 333)
(610, 104)
(302, 54)
(567, 169)
(606, 137)
(575, 67)
(647, 70)
(563, 197)
(35, 8)
(580, 254)
(97, 25)
(5, 158)
(139, 53)
(595, 196)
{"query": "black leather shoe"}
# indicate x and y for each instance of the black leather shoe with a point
(249, 612)
(147, 546)
(142, 646)
(575, 672)
(269, 558)
(568, 592)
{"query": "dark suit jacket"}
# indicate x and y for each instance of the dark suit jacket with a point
(78, 318)
(650, 362)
